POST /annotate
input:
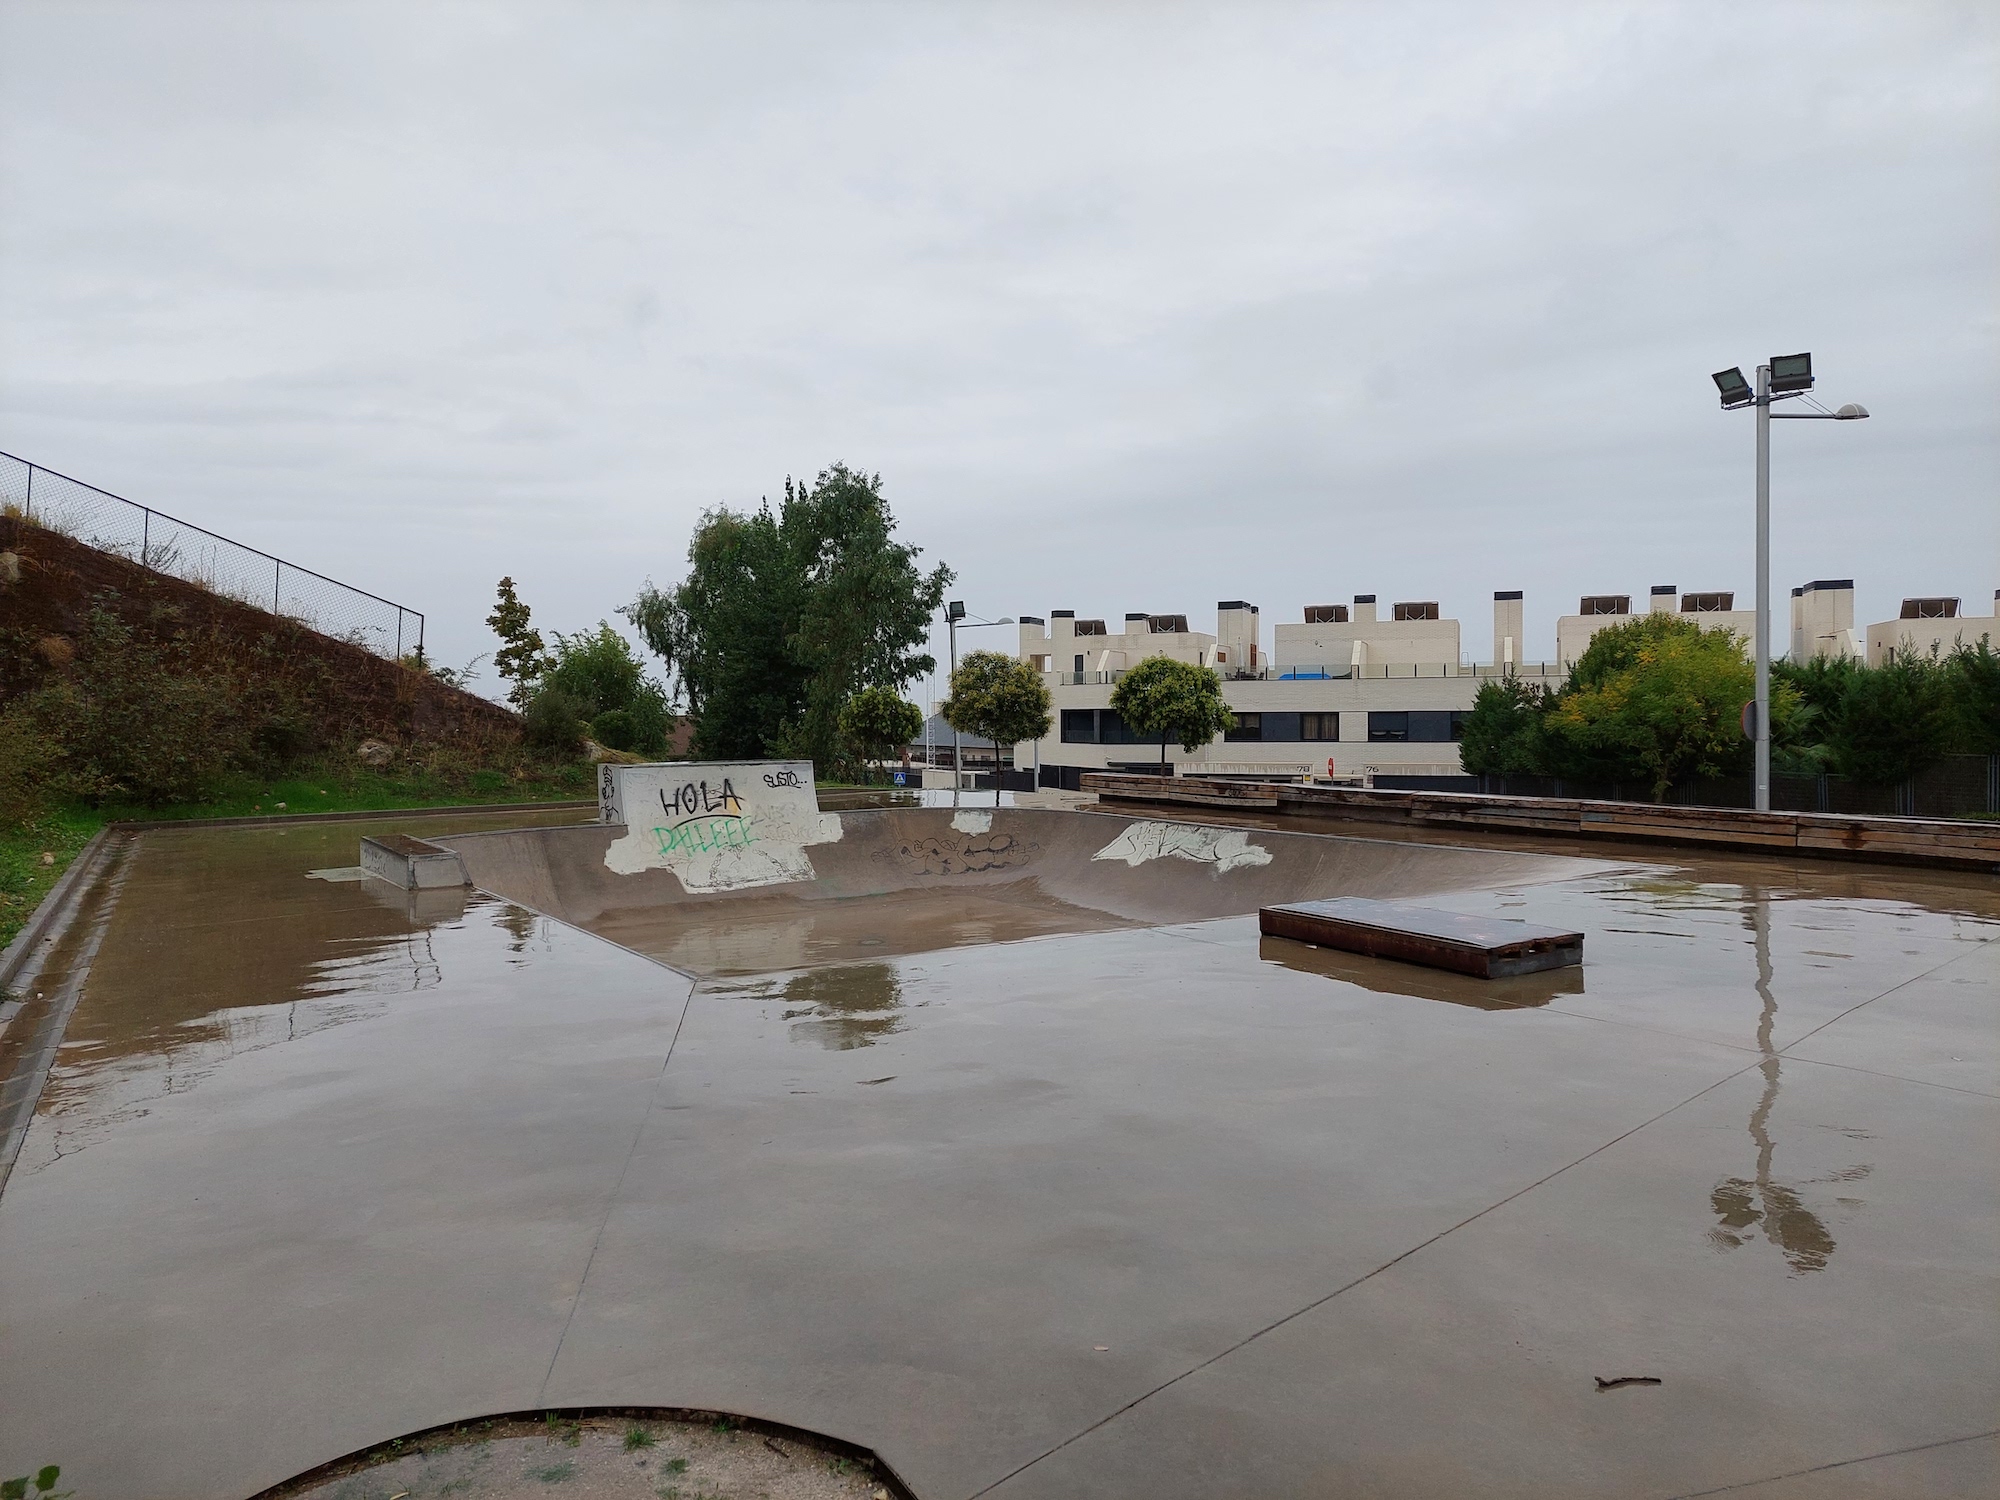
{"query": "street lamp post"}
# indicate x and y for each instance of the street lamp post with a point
(1783, 377)
(953, 613)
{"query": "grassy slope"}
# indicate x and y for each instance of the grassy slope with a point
(25, 879)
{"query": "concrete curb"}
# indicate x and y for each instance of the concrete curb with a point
(261, 820)
(14, 957)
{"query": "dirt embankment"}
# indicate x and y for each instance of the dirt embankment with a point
(52, 583)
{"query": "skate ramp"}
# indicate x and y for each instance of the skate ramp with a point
(913, 880)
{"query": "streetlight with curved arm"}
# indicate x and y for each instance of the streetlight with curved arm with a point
(1782, 378)
(954, 613)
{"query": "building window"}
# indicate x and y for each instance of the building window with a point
(1388, 726)
(1319, 726)
(1430, 727)
(1111, 729)
(1079, 726)
(1248, 727)
(1458, 717)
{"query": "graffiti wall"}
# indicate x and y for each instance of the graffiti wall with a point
(716, 825)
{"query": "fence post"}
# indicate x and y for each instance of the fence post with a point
(145, 536)
(277, 569)
(28, 514)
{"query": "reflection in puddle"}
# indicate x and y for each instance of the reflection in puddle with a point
(844, 1007)
(1387, 977)
(1761, 1203)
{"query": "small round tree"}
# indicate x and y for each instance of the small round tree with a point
(878, 721)
(1175, 700)
(999, 698)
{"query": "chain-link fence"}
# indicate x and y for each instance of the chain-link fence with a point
(155, 540)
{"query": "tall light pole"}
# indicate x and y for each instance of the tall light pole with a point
(1783, 377)
(953, 613)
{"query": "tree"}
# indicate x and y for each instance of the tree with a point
(1503, 733)
(605, 681)
(1895, 720)
(1659, 699)
(783, 618)
(1974, 680)
(879, 721)
(1174, 700)
(999, 698)
(522, 657)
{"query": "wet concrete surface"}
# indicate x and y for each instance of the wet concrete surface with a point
(1162, 1209)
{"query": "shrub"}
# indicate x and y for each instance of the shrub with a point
(553, 720)
(153, 721)
(1973, 677)
(1894, 721)
(28, 763)
(615, 730)
(1503, 733)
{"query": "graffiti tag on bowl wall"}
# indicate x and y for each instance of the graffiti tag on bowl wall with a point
(720, 825)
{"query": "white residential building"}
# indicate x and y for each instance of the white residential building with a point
(1714, 611)
(1933, 624)
(1343, 690)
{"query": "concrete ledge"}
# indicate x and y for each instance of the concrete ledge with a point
(1927, 841)
(411, 863)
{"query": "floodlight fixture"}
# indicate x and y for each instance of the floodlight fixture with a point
(955, 610)
(1735, 389)
(1791, 372)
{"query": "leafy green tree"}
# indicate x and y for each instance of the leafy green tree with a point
(1657, 699)
(602, 675)
(1503, 733)
(522, 657)
(1175, 700)
(1895, 720)
(1974, 680)
(879, 721)
(999, 698)
(784, 617)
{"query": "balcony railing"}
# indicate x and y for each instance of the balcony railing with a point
(1344, 672)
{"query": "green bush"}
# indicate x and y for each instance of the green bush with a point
(1894, 721)
(1973, 679)
(599, 671)
(615, 730)
(146, 721)
(1503, 733)
(553, 720)
(28, 763)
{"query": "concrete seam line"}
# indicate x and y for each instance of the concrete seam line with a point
(1840, 1463)
(1905, 984)
(1395, 1260)
(617, 1188)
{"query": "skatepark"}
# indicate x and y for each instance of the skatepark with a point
(998, 1142)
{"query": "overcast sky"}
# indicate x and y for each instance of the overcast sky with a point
(1132, 307)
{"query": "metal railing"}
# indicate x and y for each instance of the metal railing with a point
(1344, 672)
(182, 550)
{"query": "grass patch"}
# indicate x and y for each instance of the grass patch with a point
(333, 784)
(24, 877)
(340, 784)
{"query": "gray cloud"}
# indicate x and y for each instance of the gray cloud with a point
(1133, 307)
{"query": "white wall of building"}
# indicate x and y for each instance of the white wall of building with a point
(1924, 635)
